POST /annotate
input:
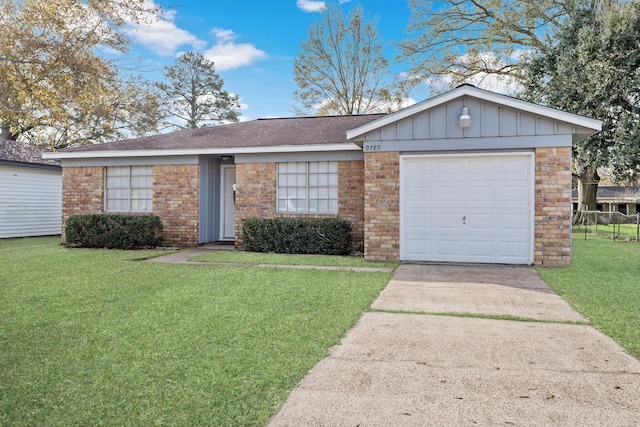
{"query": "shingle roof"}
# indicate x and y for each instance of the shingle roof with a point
(13, 151)
(614, 192)
(255, 133)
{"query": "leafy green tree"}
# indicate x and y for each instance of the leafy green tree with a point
(55, 85)
(193, 96)
(342, 68)
(593, 68)
(132, 109)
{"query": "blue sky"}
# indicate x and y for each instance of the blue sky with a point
(252, 42)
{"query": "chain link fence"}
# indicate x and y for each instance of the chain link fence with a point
(612, 224)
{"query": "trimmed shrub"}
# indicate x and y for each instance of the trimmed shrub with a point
(324, 236)
(114, 231)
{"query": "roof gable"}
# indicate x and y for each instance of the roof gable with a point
(492, 115)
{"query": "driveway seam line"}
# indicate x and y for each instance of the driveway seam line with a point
(481, 316)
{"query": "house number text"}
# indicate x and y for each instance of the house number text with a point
(372, 147)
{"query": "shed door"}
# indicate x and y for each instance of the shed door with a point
(467, 208)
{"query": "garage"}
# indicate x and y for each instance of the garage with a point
(470, 176)
(467, 208)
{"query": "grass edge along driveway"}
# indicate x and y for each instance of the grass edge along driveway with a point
(91, 337)
(603, 283)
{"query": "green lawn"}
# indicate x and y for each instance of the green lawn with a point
(603, 283)
(93, 337)
(284, 259)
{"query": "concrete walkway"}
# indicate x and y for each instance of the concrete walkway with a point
(408, 369)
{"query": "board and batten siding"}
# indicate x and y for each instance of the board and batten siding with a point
(30, 201)
(489, 120)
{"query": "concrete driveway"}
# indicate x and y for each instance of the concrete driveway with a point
(410, 368)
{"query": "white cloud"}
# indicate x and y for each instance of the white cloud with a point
(311, 5)
(163, 36)
(503, 84)
(404, 103)
(222, 35)
(315, 5)
(506, 85)
(228, 55)
(521, 54)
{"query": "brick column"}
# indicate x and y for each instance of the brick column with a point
(552, 229)
(175, 201)
(382, 206)
(255, 193)
(351, 200)
(82, 192)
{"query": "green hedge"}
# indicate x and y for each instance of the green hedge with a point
(114, 231)
(326, 236)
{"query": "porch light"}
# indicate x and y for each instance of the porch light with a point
(465, 118)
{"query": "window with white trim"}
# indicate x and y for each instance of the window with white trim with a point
(129, 189)
(308, 187)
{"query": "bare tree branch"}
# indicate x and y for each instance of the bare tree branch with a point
(342, 69)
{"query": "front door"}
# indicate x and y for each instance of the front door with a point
(228, 202)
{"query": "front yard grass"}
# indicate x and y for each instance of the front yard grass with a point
(92, 337)
(622, 231)
(603, 283)
(285, 259)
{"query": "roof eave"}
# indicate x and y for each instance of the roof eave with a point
(349, 146)
(18, 163)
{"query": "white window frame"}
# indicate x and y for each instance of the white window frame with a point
(311, 181)
(129, 188)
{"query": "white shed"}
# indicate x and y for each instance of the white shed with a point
(30, 192)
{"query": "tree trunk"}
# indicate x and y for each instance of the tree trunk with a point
(588, 189)
(5, 132)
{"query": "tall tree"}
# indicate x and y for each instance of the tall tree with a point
(593, 68)
(53, 76)
(132, 109)
(342, 68)
(193, 96)
(460, 41)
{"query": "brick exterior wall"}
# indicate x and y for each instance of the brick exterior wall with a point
(175, 198)
(369, 189)
(256, 197)
(175, 201)
(382, 206)
(351, 199)
(552, 221)
(82, 192)
(255, 193)
(552, 229)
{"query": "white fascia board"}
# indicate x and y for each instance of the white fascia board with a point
(540, 110)
(202, 151)
(563, 116)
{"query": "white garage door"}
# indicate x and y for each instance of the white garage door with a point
(471, 208)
